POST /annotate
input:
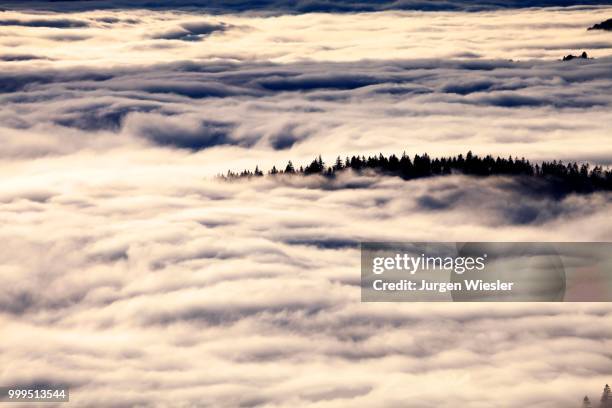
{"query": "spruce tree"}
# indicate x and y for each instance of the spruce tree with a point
(289, 169)
(338, 166)
(606, 398)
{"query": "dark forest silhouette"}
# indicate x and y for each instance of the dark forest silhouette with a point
(563, 178)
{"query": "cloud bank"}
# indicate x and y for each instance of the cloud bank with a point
(310, 108)
(154, 284)
(160, 288)
(131, 37)
(302, 85)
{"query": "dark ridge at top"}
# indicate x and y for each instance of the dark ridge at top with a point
(297, 6)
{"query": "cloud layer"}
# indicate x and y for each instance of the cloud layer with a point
(300, 85)
(161, 287)
(144, 37)
(132, 274)
(536, 109)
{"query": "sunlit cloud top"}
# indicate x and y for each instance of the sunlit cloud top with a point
(104, 38)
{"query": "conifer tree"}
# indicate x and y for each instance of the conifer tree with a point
(289, 169)
(606, 398)
(338, 165)
(586, 402)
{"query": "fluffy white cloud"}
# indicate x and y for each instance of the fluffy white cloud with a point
(151, 287)
(536, 109)
(135, 37)
(133, 275)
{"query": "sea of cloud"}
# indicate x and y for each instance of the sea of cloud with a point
(134, 275)
(131, 37)
(153, 287)
(294, 86)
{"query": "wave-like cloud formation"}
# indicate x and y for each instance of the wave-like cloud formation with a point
(152, 37)
(161, 288)
(489, 106)
(154, 284)
(197, 82)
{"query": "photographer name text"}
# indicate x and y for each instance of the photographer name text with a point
(427, 286)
